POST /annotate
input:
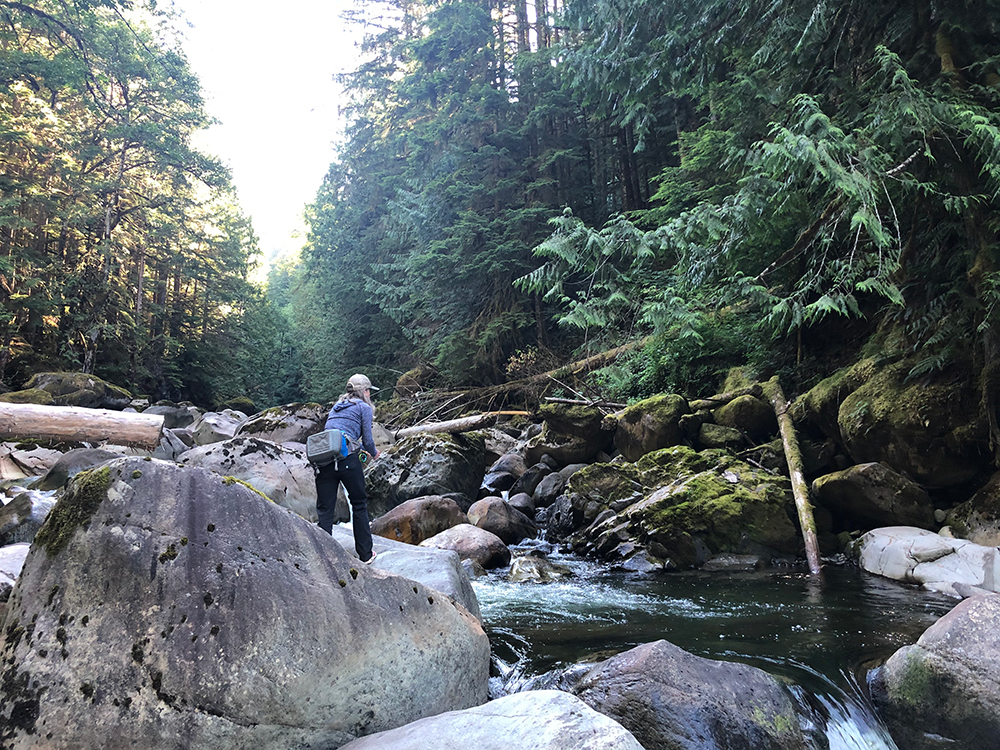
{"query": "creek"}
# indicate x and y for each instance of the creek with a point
(821, 637)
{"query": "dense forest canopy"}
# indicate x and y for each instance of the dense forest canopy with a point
(520, 182)
(123, 252)
(527, 177)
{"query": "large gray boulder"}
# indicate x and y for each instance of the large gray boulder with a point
(944, 691)
(426, 464)
(292, 423)
(872, 495)
(163, 607)
(12, 558)
(281, 474)
(176, 416)
(536, 720)
(217, 426)
(438, 569)
(940, 563)
(669, 698)
(20, 460)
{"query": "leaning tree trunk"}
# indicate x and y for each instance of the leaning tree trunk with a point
(793, 457)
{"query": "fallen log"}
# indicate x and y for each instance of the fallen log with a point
(793, 457)
(465, 424)
(74, 423)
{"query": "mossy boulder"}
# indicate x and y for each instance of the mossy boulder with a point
(649, 425)
(944, 691)
(978, 518)
(750, 416)
(427, 464)
(570, 434)
(871, 495)
(932, 430)
(820, 405)
(72, 389)
(28, 396)
(683, 506)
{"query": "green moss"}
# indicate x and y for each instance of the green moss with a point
(776, 725)
(136, 474)
(230, 480)
(169, 554)
(87, 490)
(28, 396)
(915, 681)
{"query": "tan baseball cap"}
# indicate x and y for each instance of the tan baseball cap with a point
(359, 382)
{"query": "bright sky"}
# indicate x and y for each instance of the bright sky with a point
(267, 72)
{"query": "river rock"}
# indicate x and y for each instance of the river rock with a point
(536, 569)
(72, 389)
(281, 474)
(472, 543)
(978, 519)
(570, 434)
(905, 553)
(669, 698)
(72, 463)
(548, 490)
(173, 444)
(438, 569)
(291, 423)
(522, 501)
(420, 518)
(503, 473)
(679, 505)
(530, 479)
(426, 464)
(147, 617)
(22, 517)
(502, 519)
(944, 691)
(535, 720)
(871, 495)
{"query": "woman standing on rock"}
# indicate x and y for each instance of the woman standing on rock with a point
(352, 415)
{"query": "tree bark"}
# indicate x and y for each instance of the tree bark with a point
(793, 457)
(23, 421)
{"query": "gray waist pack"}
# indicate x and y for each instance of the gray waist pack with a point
(326, 447)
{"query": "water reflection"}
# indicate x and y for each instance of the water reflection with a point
(821, 637)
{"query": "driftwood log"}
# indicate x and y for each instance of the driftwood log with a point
(793, 457)
(74, 423)
(465, 424)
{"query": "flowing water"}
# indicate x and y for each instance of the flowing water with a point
(822, 637)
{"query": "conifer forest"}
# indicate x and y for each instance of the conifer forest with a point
(521, 183)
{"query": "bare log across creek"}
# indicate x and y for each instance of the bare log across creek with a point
(24, 421)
